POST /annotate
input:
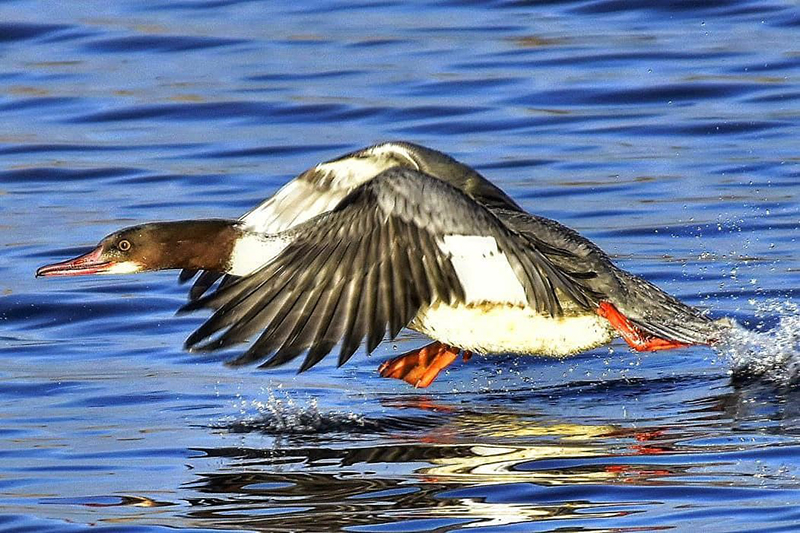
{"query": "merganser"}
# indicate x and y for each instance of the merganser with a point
(391, 236)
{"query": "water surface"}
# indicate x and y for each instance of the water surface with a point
(666, 132)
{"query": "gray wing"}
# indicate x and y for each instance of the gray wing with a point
(651, 309)
(321, 188)
(315, 191)
(368, 265)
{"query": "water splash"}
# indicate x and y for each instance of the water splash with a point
(287, 413)
(771, 353)
(282, 414)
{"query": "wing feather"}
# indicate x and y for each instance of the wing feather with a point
(325, 337)
(279, 313)
(355, 327)
(370, 307)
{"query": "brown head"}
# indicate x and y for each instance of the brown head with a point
(193, 244)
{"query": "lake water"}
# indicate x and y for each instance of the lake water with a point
(667, 132)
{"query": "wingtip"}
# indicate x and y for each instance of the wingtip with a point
(231, 363)
(186, 275)
(195, 348)
(190, 306)
(193, 344)
(269, 363)
(185, 309)
(194, 294)
(236, 362)
(190, 348)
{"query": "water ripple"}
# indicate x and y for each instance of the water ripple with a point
(22, 31)
(665, 131)
(260, 112)
(158, 43)
(636, 95)
(272, 151)
(56, 175)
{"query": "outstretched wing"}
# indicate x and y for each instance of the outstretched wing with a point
(395, 244)
(321, 188)
(315, 191)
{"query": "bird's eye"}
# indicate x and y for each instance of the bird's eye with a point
(124, 245)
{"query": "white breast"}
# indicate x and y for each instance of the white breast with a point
(492, 328)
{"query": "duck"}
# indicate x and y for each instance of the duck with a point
(392, 236)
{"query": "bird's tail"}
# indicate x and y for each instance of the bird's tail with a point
(650, 319)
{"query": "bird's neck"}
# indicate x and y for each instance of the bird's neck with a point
(193, 244)
(216, 245)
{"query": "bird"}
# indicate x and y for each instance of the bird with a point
(397, 235)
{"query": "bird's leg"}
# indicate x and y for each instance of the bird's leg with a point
(635, 337)
(420, 367)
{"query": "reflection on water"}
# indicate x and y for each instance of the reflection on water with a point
(349, 485)
(466, 467)
(664, 131)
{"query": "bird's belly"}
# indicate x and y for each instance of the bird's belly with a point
(498, 328)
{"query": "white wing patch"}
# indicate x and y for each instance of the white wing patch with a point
(320, 189)
(392, 150)
(351, 172)
(484, 271)
(252, 251)
(294, 203)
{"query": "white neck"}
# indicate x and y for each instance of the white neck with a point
(254, 250)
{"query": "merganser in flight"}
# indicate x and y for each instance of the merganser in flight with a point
(398, 235)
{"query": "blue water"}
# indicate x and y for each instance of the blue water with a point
(667, 132)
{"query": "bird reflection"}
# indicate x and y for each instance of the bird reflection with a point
(445, 470)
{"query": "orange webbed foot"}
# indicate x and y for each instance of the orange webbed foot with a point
(420, 367)
(635, 337)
